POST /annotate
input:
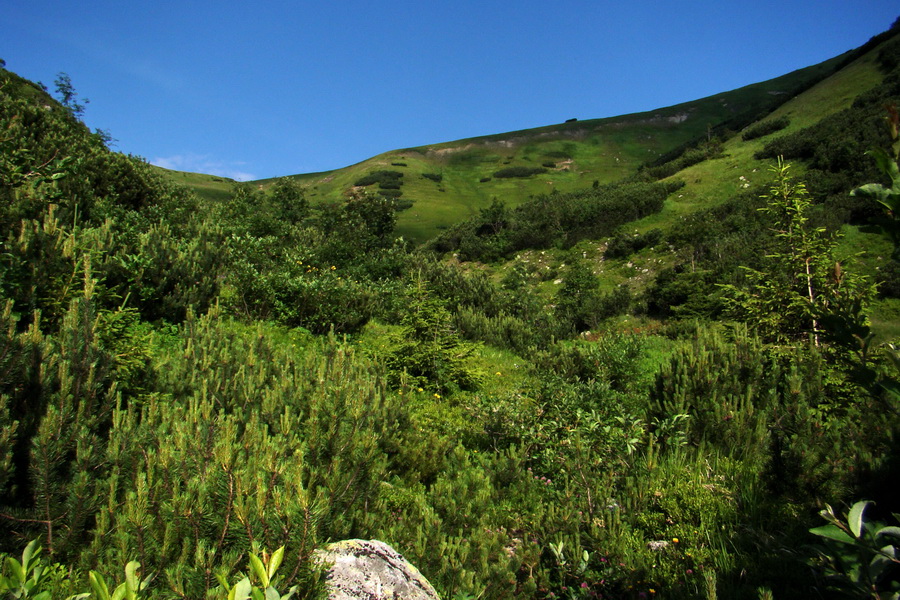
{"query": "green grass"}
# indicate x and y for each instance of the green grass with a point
(885, 320)
(830, 95)
(208, 187)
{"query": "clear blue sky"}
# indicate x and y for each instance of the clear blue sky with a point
(260, 89)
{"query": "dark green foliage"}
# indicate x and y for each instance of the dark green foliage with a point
(577, 296)
(503, 330)
(887, 197)
(60, 406)
(683, 293)
(267, 281)
(384, 179)
(689, 157)
(714, 246)
(613, 359)
(800, 288)
(858, 555)
(429, 351)
(561, 219)
(513, 317)
(241, 446)
(622, 245)
(888, 279)
(435, 177)
(834, 148)
(790, 419)
(68, 97)
(401, 204)
(765, 128)
(361, 225)
(290, 201)
(389, 183)
(390, 193)
(511, 172)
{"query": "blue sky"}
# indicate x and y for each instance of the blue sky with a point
(254, 90)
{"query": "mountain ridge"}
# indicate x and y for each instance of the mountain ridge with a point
(574, 154)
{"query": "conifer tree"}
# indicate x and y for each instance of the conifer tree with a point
(429, 349)
(803, 283)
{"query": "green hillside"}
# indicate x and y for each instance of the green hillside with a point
(208, 187)
(581, 152)
(574, 155)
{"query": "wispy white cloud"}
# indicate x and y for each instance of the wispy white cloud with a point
(203, 163)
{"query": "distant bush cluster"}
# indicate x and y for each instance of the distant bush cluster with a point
(691, 156)
(511, 172)
(435, 177)
(765, 128)
(384, 179)
(622, 245)
(389, 184)
(557, 219)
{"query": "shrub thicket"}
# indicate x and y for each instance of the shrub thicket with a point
(765, 128)
(558, 219)
(510, 172)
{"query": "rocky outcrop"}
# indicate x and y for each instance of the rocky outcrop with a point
(371, 570)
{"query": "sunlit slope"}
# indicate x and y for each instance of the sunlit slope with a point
(451, 181)
(208, 187)
(713, 181)
(574, 154)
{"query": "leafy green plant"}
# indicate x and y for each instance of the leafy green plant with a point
(127, 590)
(264, 569)
(429, 349)
(862, 557)
(26, 579)
(802, 288)
(888, 197)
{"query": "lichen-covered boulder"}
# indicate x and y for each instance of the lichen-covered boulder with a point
(371, 570)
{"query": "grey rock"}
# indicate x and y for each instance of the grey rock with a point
(371, 570)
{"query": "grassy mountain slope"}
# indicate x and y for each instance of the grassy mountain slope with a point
(574, 154)
(713, 181)
(208, 187)
(581, 152)
(729, 174)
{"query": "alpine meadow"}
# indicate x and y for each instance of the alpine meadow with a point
(648, 356)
